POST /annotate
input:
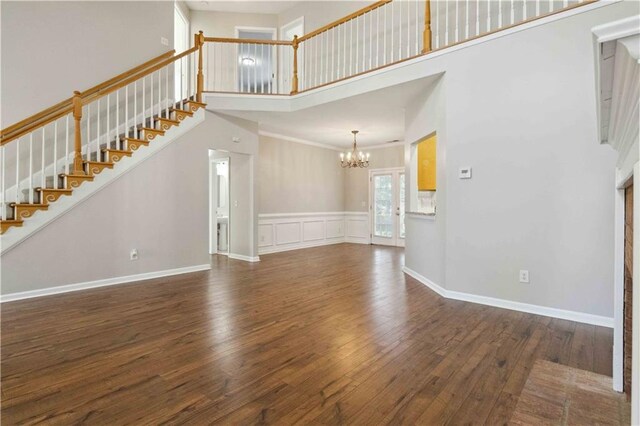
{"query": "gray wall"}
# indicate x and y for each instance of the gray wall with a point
(51, 48)
(297, 178)
(356, 182)
(222, 24)
(541, 197)
(160, 207)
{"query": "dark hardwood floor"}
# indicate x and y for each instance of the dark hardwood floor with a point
(335, 334)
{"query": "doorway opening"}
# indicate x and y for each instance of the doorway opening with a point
(256, 62)
(387, 206)
(219, 211)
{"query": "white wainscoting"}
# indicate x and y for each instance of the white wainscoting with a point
(291, 231)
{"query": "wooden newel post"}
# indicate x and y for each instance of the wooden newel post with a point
(427, 27)
(78, 166)
(294, 80)
(200, 79)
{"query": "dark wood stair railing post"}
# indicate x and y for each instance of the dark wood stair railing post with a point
(294, 80)
(78, 166)
(427, 27)
(200, 80)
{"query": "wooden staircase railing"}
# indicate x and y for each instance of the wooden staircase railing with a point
(382, 34)
(109, 121)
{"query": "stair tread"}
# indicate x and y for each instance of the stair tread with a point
(76, 176)
(135, 140)
(39, 189)
(28, 205)
(167, 119)
(108, 163)
(196, 102)
(12, 221)
(181, 110)
(126, 151)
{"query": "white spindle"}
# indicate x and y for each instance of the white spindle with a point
(55, 154)
(488, 15)
(351, 48)
(524, 10)
(42, 182)
(152, 124)
(466, 20)
(499, 14)
(384, 36)
(550, 6)
(565, 3)
(370, 40)
(409, 28)
(108, 144)
(513, 13)
(31, 168)
(17, 171)
(457, 33)
(316, 60)
(321, 59)
(400, 31)
(537, 7)
(3, 213)
(127, 127)
(255, 70)
(66, 149)
(117, 136)
(334, 71)
(98, 133)
(393, 8)
(357, 44)
(446, 23)
(344, 49)
(478, 17)
(377, 37)
(88, 132)
(135, 105)
(417, 28)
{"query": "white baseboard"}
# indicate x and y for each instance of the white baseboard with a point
(514, 306)
(243, 257)
(101, 283)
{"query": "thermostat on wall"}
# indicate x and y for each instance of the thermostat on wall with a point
(464, 173)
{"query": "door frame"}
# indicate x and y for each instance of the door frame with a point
(274, 58)
(399, 242)
(213, 207)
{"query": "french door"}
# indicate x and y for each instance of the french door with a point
(387, 207)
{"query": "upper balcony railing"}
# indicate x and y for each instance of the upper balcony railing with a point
(377, 36)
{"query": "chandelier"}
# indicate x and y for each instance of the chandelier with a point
(354, 158)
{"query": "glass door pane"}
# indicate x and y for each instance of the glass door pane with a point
(383, 206)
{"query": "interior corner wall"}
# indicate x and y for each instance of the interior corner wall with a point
(51, 48)
(160, 207)
(425, 242)
(520, 110)
(319, 13)
(356, 181)
(299, 178)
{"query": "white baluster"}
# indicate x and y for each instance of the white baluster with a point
(31, 168)
(108, 144)
(478, 18)
(400, 30)
(88, 142)
(446, 24)
(513, 13)
(255, 69)
(351, 48)
(370, 40)
(115, 139)
(98, 133)
(135, 106)
(466, 21)
(378, 37)
(537, 7)
(126, 112)
(262, 79)
(66, 149)
(42, 181)
(357, 45)
(457, 33)
(384, 37)
(437, 22)
(334, 70)
(565, 3)
(55, 154)
(152, 124)
(3, 204)
(17, 172)
(393, 7)
(488, 15)
(524, 10)
(499, 14)
(550, 6)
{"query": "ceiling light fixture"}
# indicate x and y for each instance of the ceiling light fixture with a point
(354, 158)
(248, 61)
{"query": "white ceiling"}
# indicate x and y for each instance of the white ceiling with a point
(378, 115)
(242, 6)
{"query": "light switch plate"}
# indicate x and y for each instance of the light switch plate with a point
(464, 172)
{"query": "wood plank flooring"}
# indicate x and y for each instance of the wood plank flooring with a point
(335, 334)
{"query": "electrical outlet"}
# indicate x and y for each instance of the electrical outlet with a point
(524, 276)
(164, 41)
(134, 254)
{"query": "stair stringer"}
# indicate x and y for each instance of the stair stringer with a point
(40, 219)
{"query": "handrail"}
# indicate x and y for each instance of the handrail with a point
(54, 112)
(107, 90)
(247, 41)
(341, 21)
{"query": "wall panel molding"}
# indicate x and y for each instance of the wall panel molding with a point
(291, 231)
